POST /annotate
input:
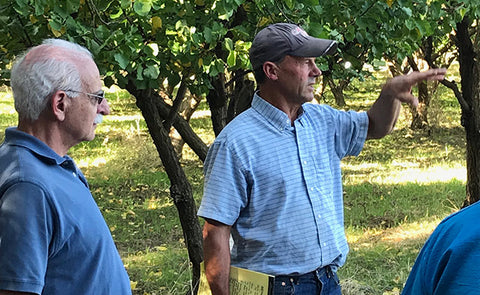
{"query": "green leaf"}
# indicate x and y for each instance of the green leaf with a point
(142, 7)
(207, 33)
(126, 4)
(407, 11)
(151, 72)
(116, 15)
(55, 25)
(289, 3)
(232, 58)
(102, 5)
(229, 44)
(139, 73)
(122, 60)
(174, 79)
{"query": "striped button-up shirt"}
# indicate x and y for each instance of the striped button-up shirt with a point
(280, 186)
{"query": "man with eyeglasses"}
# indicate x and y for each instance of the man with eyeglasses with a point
(53, 238)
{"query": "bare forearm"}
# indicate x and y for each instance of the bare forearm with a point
(217, 256)
(383, 115)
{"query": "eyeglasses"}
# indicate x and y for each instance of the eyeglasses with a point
(100, 96)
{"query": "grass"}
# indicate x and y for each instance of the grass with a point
(396, 192)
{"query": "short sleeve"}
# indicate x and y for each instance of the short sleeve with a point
(25, 236)
(225, 190)
(350, 133)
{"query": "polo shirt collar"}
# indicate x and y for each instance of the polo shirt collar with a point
(278, 118)
(13, 136)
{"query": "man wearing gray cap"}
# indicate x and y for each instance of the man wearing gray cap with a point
(272, 176)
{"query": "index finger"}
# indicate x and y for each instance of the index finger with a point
(431, 74)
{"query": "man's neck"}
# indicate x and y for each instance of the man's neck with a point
(48, 133)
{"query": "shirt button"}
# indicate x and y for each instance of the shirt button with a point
(319, 215)
(324, 244)
(74, 174)
(305, 162)
(311, 189)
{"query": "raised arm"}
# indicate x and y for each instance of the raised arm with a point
(216, 250)
(384, 113)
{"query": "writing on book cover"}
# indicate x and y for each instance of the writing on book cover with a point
(242, 282)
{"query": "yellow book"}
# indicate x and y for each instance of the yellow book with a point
(242, 282)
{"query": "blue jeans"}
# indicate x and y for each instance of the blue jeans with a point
(322, 281)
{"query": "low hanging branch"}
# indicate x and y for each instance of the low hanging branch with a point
(178, 122)
(458, 94)
(182, 90)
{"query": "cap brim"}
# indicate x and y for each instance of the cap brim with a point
(314, 47)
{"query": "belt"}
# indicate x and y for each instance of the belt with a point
(326, 270)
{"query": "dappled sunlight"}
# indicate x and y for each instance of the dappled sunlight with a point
(402, 172)
(432, 174)
(201, 114)
(6, 103)
(162, 264)
(399, 236)
(95, 162)
(122, 118)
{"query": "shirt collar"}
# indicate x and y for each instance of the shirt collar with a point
(13, 136)
(275, 116)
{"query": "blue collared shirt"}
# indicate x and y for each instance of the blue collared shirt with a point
(53, 238)
(280, 188)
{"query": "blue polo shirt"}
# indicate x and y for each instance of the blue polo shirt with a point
(280, 187)
(449, 262)
(53, 238)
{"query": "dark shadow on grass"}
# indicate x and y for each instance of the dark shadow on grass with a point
(371, 205)
(435, 144)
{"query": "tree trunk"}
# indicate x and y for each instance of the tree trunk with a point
(420, 113)
(186, 110)
(337, 90)
(217, 101)
(179, 123)
(223, 108)
(470, 81)
(180, 188)
(241, 97)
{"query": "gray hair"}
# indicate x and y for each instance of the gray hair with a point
(41, 71)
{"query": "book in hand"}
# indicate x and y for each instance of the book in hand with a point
(242, 282)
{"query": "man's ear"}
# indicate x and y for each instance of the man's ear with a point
(59, 103)
(271, 70)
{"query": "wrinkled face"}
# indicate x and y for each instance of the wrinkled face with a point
(297, 77)
(81, 119)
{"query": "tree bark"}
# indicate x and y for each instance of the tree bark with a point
(337, 90)
(224, 106)
(217, 101)
(179, 123)
(180, 188)
(420, 113)
(241, 97)
(186, 109)
(470, 82)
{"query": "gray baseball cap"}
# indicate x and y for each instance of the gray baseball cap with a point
(277, 40)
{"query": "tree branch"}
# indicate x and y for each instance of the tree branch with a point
(182, 89)
(458, 94)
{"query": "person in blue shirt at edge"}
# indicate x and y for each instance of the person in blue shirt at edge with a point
(449, 261)
(53, 238)
(272, 176)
